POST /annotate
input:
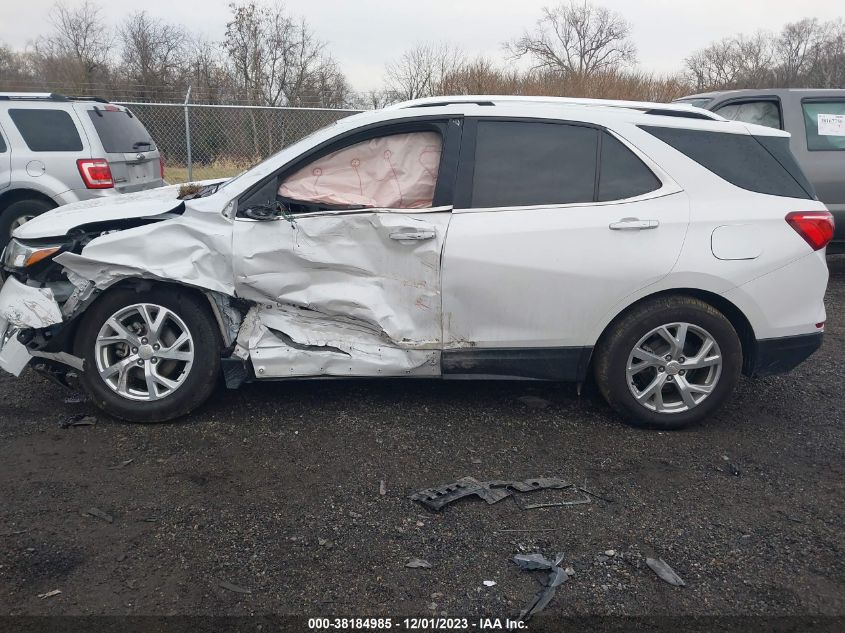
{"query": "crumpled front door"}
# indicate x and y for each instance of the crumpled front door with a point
(342, 294)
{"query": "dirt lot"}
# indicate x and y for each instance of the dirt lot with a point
(275, 489)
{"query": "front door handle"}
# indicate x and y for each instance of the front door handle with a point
(633, 224)
(403, 236)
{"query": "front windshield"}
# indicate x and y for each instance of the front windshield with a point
(293, 146)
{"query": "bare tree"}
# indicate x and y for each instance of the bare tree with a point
(732, 62)
(78, 50)
(152, 55)
(420, 70)
(577, 38)
(275, 57)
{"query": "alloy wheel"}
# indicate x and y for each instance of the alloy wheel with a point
(674, 367)
(144, 352)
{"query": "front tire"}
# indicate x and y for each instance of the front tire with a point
(150, 356)
(669, 363)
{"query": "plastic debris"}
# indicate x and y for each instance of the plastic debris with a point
(50, 594)
(491, 491)
(232, 587)
(80, 419)
(122, 464)
(489, 583)
(666, 573)
(555, 578)
(96, 512)
(382, 487)
(418, 563)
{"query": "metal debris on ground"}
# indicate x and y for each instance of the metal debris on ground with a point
(232, 587)
(50, 594)
(493, 491)
(122, 464)
(556, 577)
(418, 563)
(666, 573)
(80, 419)
(96, 512)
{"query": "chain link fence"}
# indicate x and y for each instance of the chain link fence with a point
(210, 141)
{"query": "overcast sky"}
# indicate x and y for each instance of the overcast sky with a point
(363, 34)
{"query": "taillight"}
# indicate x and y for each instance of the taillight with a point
(816, 227)
(95, 173)
(161, 166)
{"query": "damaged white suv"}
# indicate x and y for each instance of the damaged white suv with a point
(660, 247)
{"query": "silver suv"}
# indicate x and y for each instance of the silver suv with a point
(816, 120)
(55, 150)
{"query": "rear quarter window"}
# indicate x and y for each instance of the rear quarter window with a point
(824, 122)
(47, 130)
(738, 158)
(2, 144)
(121, 132)
(622, 174)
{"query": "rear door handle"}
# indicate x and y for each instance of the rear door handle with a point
(403, 236)
(633, 224)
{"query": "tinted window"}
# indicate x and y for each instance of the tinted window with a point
(698, 102)
(622, 174)
(2, 145)
(120, 132)
(738, 158)
(47, 130)
(524, 163)
(758, 112)
(825, 124)
(778, 146)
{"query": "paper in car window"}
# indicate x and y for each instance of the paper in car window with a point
(831, 124)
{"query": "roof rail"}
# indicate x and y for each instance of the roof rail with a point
(45, 96)
(665, 109)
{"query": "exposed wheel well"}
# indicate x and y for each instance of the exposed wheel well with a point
(733, 314)
(10, 197)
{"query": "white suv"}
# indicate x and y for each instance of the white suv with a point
(659, 247)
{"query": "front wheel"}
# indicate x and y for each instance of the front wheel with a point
(669, 363)
(149, 356)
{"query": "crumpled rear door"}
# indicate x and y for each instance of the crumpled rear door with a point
(342, 294)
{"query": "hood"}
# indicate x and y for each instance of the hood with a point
(57, 222)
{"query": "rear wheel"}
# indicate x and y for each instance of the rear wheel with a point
(149, 356)
(19, 213)
(669, 363)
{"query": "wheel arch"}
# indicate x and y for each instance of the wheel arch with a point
(732, 313)
(8, 198)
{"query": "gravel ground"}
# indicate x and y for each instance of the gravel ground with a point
(275, 489)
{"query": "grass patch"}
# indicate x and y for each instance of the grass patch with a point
(176, 174)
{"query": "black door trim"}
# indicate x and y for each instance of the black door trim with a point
(567, 364)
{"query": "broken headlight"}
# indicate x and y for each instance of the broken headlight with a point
(20, 255)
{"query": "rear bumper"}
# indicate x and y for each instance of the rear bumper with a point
(779, 355)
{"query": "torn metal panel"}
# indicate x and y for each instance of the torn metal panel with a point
(14, 355)
(286, 341)
(193, 249)
(27, 306)
(365, 284)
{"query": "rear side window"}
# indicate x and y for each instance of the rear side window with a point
(738, 158)
(758, 112)
(121, 132)
(2, 144)
(45, 130)
(521, 163)
(621, 174)
(825, 124)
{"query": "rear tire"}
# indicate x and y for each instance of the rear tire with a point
(150, 356)
(19, 212)
(668, 363)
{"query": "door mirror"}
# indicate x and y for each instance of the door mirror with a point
(263, 212)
